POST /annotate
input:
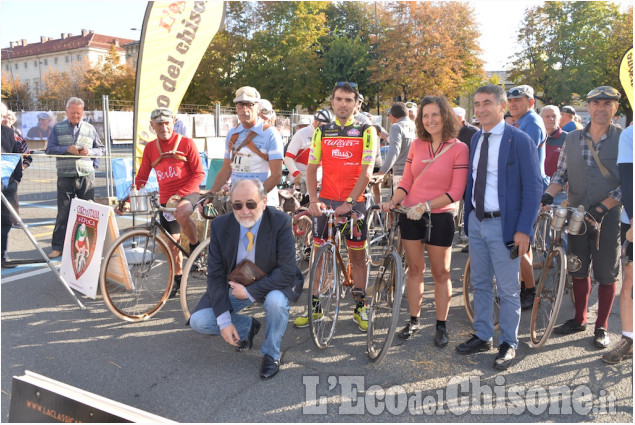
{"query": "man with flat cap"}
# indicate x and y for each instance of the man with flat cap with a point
(588, 163)
(42, 130)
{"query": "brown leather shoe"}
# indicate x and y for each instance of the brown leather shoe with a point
(55, 253)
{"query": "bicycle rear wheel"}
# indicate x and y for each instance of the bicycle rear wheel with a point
(325, 278)
(385, 306)
(549, 294)
(468, 296)
(137, 275)
(377, 237)
(194, 281)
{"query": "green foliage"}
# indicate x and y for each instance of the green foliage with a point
(568, 48)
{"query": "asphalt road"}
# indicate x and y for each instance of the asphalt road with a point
(165, 368)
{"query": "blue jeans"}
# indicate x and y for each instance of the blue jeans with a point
(276, 318)
(489, 257)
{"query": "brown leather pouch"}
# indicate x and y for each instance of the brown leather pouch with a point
(246, 273)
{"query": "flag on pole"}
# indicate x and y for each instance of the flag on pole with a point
(174, 38)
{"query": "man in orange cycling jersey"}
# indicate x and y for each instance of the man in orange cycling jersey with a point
(345, 148)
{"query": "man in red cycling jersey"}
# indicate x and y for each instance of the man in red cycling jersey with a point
(345, 148)
(180, 173)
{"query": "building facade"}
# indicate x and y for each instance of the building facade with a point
(30, 62)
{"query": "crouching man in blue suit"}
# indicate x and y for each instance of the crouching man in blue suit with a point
(263, 235)
(501, 204)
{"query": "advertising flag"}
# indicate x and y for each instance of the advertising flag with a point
(174, 39)
(626, 74)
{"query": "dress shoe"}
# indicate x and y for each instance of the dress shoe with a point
(527, 297)
(441, 337)
(409, 330)
(622, 349)
(601, 338)
(569, 327)
(246, 344)
(55, 253)
(269, 367)
(474, 345)
(505, 356)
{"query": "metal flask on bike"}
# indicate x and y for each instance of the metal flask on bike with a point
(138, 200)
(576, 221)
(559, 218)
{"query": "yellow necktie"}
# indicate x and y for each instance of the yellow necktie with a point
(250, 236)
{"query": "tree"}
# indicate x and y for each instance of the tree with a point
(111, 78)
(427, 48)
(15, 93)
(568, 48)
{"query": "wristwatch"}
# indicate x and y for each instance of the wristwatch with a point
(350, 200)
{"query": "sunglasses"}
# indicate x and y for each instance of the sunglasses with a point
(252, 205)
(606, 90)
(160, 113)
(516, 92)
(245, 104)
(410, 105)
(342, 83)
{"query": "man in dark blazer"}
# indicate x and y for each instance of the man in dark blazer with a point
(263, 235)
(501, 204)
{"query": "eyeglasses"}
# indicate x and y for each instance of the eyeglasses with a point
(342, 83)
(245, 104)
(161, 112)
(252, 205)
(604, 90)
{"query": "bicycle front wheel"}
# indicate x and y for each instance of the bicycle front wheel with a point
(325, 281)
(542, 241)
(385, 306)
(137, 275)
(548, 298)
(194, 281)
(468, 295)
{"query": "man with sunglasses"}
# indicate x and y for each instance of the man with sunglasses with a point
(179, 171)
(263, 236)
(588, 163)
(346, 150)
(521, 108)
(253, 149)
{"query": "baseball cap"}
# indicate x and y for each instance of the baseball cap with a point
(247, 94)
(521, 91)
(43, 116)
(459, 111)
(568, 109)
(266, 108)
(603, 93)
(160, 115)
(411, 106)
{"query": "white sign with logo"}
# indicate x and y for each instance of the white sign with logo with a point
(91, 227)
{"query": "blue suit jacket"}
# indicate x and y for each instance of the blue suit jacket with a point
(275, 255)
(519, 183)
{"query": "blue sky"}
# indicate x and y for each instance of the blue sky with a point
(498, 21)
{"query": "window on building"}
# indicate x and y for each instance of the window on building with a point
(46, 62)
(101, 58)
(55, 61)
(35, 64)
(17, 65)
(7, 67)
(79, 58)
(26, 65)
(67, 59)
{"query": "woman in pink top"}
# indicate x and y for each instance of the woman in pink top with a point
(432, 185)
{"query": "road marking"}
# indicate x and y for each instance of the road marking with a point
(27, 275)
